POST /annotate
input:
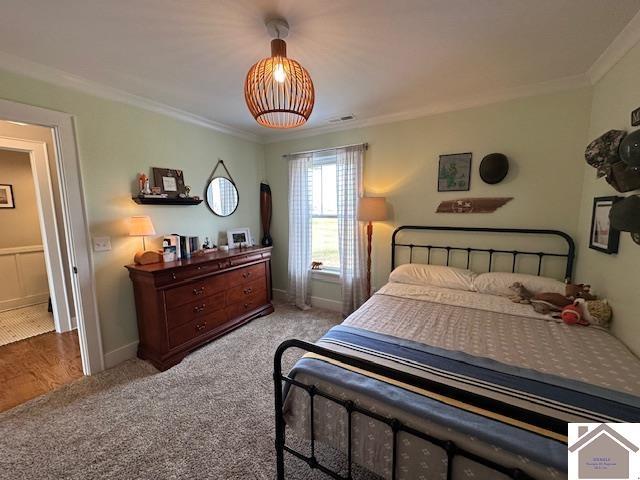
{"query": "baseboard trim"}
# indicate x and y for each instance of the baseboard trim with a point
(317, 302)
(326, 303)
(119, 355)
(280, 295)
(23, 302)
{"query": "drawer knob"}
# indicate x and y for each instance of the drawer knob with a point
(246, 274)
(199, 308)
(201, 326)
(246, 305)
(173, 276)
(247, 291)
(198, 291)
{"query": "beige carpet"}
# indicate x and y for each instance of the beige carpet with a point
(21, 323)
(210, 417)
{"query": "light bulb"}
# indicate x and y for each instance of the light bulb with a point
(279, 74)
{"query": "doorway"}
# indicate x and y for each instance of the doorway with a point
(67, 282)
(25, 306)
(39, 347)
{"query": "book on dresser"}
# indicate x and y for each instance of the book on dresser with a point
(182, 305)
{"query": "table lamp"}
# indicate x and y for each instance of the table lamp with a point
(141, 226)
(371, 209)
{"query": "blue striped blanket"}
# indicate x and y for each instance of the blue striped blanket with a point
(521, 410)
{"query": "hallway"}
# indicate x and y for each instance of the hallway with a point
(37, 365)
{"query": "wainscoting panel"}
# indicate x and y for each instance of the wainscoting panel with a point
(24, 277)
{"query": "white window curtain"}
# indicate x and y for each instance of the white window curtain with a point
(300, 208)
(349, 165)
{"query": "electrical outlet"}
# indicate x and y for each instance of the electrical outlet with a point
(101, 244)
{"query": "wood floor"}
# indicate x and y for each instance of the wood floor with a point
(37, 365)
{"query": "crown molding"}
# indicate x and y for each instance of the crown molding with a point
(624, 41)
(566, 83)
(61, 78)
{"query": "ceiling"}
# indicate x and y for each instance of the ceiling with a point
(372, 58)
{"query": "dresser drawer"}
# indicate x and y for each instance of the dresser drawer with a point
(245, 259)
(248, 291)
(242, 307)
(174, 297)
(246, 275)
(195, 309)
(200, 326)
(185, 273)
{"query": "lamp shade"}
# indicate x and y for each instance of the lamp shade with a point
(278, 90)
(372, 209)
(141, 226)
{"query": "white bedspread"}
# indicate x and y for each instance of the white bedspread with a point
(494, 327)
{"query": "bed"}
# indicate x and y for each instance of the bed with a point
(425, 381)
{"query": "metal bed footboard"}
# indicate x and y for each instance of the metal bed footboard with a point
(452, 450)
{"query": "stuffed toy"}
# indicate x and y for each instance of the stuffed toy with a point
(572, 315)
(316, 265)
(595, 312)
(544, 308)
(520, 294)
(580, 290)
(556, 299)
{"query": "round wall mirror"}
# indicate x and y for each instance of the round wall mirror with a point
(222, 196)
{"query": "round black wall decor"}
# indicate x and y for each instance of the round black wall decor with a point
(630, 149)
(494, 167)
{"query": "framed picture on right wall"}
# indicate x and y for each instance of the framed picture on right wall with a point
(603, 238)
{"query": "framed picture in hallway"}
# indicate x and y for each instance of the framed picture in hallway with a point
(6, 196)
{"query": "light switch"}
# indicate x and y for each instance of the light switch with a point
(101, 244)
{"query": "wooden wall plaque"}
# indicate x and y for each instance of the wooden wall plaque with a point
(472, 205)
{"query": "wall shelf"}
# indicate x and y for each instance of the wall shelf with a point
(166, 201)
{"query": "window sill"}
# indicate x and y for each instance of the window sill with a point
(326, 276)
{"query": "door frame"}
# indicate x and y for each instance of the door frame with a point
(41, 175)
(75, 221)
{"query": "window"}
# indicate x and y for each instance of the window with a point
(324, 237)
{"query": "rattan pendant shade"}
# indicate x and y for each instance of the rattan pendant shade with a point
(279, 91)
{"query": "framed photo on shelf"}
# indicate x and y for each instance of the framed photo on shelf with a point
(454, 172)
(239, 237)
(603, 238)
(6, 196)
(170, 181)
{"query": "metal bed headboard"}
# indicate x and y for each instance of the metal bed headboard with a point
(570, 255)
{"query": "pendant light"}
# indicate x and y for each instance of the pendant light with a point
(278, 90)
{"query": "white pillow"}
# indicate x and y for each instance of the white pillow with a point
(498, 283)
(434, 275)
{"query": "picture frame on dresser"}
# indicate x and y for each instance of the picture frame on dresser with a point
(239, 237)
(603, 237)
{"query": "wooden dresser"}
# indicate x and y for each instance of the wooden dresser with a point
(184, 304)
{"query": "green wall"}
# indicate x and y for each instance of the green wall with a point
(616, 277)
(115, 142)
(543, 136)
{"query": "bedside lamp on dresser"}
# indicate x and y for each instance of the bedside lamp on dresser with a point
(184, 304)
(141, 226)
